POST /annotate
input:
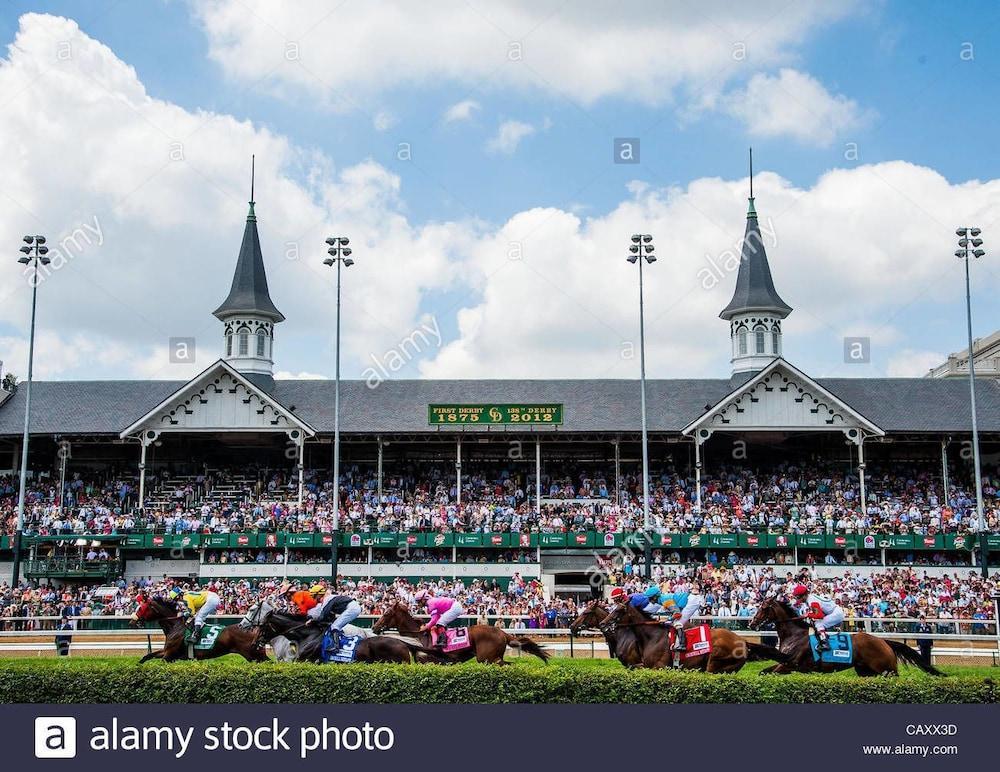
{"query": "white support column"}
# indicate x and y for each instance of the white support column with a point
(145, 439)
(944, 472)
(142, 475)
(538, 476)
(618, 473)
(379, 439)
(301, 466)
(861, 472)
(458, 471)
(697, 471)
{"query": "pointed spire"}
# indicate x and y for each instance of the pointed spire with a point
(249, 293)
(754, 286)
(251, 217)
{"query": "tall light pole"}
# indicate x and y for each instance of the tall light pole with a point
(642, 247)
(339, 254)
(33, 252)
(969, 245)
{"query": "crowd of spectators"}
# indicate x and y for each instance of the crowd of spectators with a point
(905, 498)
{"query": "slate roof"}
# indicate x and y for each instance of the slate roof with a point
(754, 286)
(249, 293)
(894, 404)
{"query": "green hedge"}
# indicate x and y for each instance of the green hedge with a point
(41, 681)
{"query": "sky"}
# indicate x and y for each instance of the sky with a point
(468, 150)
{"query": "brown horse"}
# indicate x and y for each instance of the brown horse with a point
(308, 642)
(622, 644)
(729, 651)
(871, 656)
(232, 640)
(488, 643)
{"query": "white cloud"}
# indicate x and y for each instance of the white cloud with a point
(544, 294)
(508, 137)
(169, 187)
(913, 363)
(461, 111)
(567, 305)
(578, 50)
(793, 104)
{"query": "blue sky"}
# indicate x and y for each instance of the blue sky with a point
(896, 97)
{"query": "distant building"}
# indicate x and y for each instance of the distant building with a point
(987, 357)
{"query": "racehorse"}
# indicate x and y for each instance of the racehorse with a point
(729, 651)
(232, 640)
(871, 655)
(487, 643)
(622, 644)
(307, 640)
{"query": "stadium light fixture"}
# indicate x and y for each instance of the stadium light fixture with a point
(970, 248)
(339, 254)
(642, 246)
(33, 253)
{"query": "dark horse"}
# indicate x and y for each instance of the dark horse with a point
(487, 643)
(729, 651)
(232, 640)
(871, 656)
(622, 644)
(308, 642)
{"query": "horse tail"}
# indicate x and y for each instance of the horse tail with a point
(436, 655)
(760, 652)
(912, 657)
(528, 646)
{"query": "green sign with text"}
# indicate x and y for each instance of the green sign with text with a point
(494, 414)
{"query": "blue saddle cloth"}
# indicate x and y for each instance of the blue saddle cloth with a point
(339, 650)
(841, 650)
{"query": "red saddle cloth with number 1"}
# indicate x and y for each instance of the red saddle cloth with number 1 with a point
(698, 639)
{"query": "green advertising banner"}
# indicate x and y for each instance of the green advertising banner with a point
(4, 542)
(468, 540)
(812, 540)
(378, 540)
(552, 539)
(134, 540)
(782, 540)
(438, 540)
(298, 539)
(487, 414)
(216, 540)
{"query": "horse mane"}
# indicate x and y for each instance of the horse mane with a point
(790, 610)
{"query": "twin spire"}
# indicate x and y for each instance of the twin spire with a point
(249, 293)
(755, 290)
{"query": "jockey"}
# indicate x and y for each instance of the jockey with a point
(303, 600)
(690, 604)
(200, 604)
(639, 600)
(341, 609)
(443, 611)
(822, 612)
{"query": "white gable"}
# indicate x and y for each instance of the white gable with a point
(220, 399)
(782, 398)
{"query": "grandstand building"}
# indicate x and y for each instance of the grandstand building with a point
(236, 415)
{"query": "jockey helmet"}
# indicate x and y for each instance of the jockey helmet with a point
(653, 591)
(317, 589)
(800, 590)
(175, 593)
(420, 595)
(618, 593)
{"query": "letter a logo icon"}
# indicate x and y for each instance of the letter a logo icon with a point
(55, 737)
